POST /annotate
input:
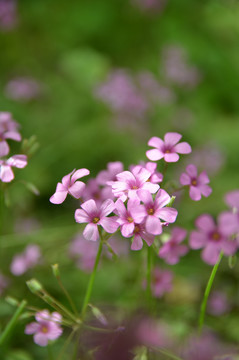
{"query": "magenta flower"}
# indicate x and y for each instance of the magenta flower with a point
(128, 217)
(168, 148)
(6, 173)
(47, 327)
(161, 282)
(156, 177)
(96, 216)
(232, 199)
(129, 183)
(69, 185)
(139, 234)
(27, 260)
(212, 238)
(172, 250)
(96, 192)
(22, 89)
(155, 211)
(197, 183)
(84, 252)
(108, 176)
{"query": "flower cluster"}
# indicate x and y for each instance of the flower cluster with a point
(26, 260)
(8, 14)
(9, 129)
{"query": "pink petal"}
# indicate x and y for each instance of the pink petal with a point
(195, 193)
(77, 189)
(137, 243)
(178, 234)
(40, 339)
(171, 138)
(143, 175)
(232, 199)
(90, 207)
(66, 180)
(59, 196)
(153, 225)
(167, 214)
(81, 216)
(18, 161)
(211, 254)
(6, 173)
(109, 225)
(229, 247)
(154, 154)
(91, 232)
(55, 331)
(156, 142)
(138, 213)
(18, 265)
(31, 328)
(79, 174)
(149, 238)
(107, 207)
(183, 148)
(120, 208)
(12, 135)
(205, 190)
(192, 170)
(152, 188)
(127, 229)
(205, 223)
(56, 317)
(197, 240)
(145, 197)
(185, 179)
(4, 148)
(125, 176)
(171, 157)
(42, 315)
(162, 198)
(203, 178)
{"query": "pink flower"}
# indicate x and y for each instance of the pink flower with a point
(109, 175)
(197, 183)
(96, 216)
(172, 250)
(218, 303)
(168, 148)
(27, 260)
(128, 183)
(96, 192)
(212, 238)
(47, 327)
(7, 123)
(84, 252)
(128, 217)
(7, 134)
(232, 199)
(69, 185)
(8, 14)
(161, 282)
(6, 173)
(139, 234)
(155, 211)
(156, 177)
(22, 89)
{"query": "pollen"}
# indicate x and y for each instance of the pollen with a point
(130, 219)
(167, 151)
(135, 187)
(96, 220)
(150, 211)
(194, 182)
(44, 329)
(216, 236)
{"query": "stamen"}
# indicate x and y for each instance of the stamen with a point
(150, 211)
(96, 220)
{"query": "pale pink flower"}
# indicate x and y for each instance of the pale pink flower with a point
(128, 183)
(108, 176)
(128, 217)
(95, 216)
(47, 327)
(97, 192)
(156, 210)
(22, 89)
(70, 185)
(161, 282)
(83, 252)
(6, 173)
(4, 282)
(156, 177)
(139, 234)
(7, 133)
(26, 260)
(7, 123)
(232, 199)
(172, 250)
(213, 238)
(152, 332)
(167, 149)
(198, 184)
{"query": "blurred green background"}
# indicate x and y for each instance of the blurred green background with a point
(70, 48)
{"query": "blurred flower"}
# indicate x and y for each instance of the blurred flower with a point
(47, 327)
(161, 282)
(171, 251)
(8, 14)
(97, 192)
(177, 70)
(109, 175)
(128, 183)
(70, 185)
(153, 333)
(212, 238)
(8, 130)
(6, 173)
(218, 303)
(232, 199)
(197, 183)
(153, 5)
(156, 210)
(26, 260)
(84, 252)
(96, 216)
(168, 148)
(26, 225)
(22, 89)
(120, 246)
(7, 123)
(4, 282)
(138, 234)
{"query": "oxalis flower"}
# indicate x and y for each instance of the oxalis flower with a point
(172, 250)
(69, 185)
(47, 327)
(95, 216)
(168, 148)
(213, 238)
(197, 183)
(155, 210)
(6, 173)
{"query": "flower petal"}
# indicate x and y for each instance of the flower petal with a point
(167, 214)
(6, 173)
(91, 232)
(90, 207)
(81, 216)
(107, 207)
(197, 240)
(156, 142)
(137, 243)
(79, 174)
(77, 189)
(171, 157)
(172, 138)
(195, 193)
(185, 179)
(109, 225)
(153, 225)
(205, 223)
(154, 154)
(183, 148)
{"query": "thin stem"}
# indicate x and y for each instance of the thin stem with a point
(148, 274)
(8, 329)
(67, 295)
(206, 294)
(91, 281)
(167, 353)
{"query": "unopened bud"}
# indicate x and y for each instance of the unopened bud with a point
(171, 201)
(34, 286)
(55, 270)
(99, 315)
(12, 301)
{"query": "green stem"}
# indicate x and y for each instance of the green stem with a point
(148, 275)
(206, 294)
(67, 295)
(49, 351)
(8, 329)
(66, 344)
(167, 353)
(91, 281)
